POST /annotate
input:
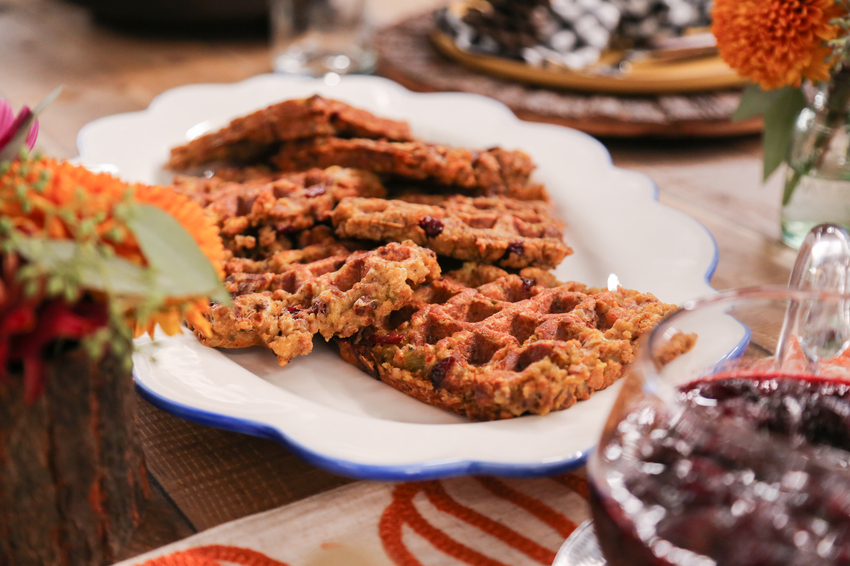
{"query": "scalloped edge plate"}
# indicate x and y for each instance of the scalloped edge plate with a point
(329, 412)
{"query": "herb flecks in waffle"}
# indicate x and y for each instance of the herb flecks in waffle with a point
(501, 230)
(511, 346)
(258, 134)
(334, 297)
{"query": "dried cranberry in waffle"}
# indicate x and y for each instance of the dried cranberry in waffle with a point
(254, 214)
(334, 297)
(510, 232)
(256, 135)
(509, 347)
(493, 171)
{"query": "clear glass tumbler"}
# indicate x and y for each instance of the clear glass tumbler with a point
(729, 443)
(316, 37)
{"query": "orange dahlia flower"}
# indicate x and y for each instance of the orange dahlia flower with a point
(56, 199)
(776, 42)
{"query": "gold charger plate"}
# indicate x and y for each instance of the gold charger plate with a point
(643, 77)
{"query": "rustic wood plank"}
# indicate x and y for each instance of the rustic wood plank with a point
(72, 476)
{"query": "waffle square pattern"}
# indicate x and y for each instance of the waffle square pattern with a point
(491, 345)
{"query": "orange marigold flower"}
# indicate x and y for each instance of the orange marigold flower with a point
(57, 194)
(776, 42)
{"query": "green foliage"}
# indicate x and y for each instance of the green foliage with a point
(87, 263)
(779, 122)
(180, 268)
(841, 45)
(779, 108)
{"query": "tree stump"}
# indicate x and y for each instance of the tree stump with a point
(72, 475)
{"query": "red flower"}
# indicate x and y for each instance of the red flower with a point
(29, 324)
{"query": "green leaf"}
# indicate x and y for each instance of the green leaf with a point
(758, 102)
(92, 270)
(754, 102)
(48, 100)
(779, 119)
(180, 266)
(779, 108)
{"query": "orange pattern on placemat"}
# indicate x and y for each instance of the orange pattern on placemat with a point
(214, 555)
(561, 524)
(403, 511)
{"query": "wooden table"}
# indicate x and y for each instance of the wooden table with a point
(205, 476)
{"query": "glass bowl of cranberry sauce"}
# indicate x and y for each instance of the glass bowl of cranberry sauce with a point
(730, 440)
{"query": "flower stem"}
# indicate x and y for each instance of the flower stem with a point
(791, 184)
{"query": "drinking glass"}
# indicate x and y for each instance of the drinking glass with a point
(316, 37)
(729, 443)
(736, 450)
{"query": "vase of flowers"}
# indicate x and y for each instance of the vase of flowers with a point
(87, 261)
(817, 179)
(797, 54)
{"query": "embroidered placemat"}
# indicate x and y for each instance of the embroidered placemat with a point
(476, 521)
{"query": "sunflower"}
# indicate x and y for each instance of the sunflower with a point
(43, 197)
(776, 42)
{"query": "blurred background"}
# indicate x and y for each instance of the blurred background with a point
(116, 57)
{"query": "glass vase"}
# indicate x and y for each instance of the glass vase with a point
(817, 184)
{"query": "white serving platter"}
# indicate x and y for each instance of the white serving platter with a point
(328, 411)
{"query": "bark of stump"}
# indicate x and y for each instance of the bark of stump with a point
(72, 475)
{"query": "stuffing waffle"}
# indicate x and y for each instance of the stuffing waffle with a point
(501, 230)
(479, 341)
(253, 214)
(256, 135)
(334, 296)
(513, 345)
(493, 171)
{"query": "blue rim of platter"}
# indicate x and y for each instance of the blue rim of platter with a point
(404, 472)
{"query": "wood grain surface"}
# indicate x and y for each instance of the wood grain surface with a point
(203, 476)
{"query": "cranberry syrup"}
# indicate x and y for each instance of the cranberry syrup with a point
(707, 489)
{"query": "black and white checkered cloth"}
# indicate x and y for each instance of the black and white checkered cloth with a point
(571, 33)
(645, 20)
